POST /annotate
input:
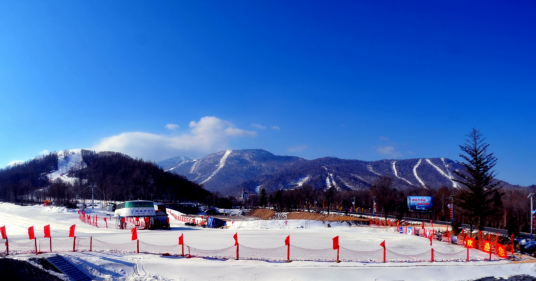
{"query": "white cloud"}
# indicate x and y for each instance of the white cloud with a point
(388, 150)
(298, 148)
(172, 126)
(384, 138)
(44, 152)
(258, 126)
(209, 135)
(276, 128)
(14, 163)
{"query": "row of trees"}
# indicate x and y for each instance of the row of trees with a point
(481, 200)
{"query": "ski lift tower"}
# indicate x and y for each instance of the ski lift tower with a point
(92, 193)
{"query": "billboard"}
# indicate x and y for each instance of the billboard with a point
(420, 203)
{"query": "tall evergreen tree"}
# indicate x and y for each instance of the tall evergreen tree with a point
(479, 187)
(263, 200)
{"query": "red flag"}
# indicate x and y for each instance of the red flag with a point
(181, 239)
(335, 242)
(47, 231)
(104, 219)
(71, 230)
(432, 223)
(422, 225)
(287, 241)
(383, 244)
(79, 212)
(431, 239)
(3, 232)
(236, 238)
(134, 234)
(31, 233)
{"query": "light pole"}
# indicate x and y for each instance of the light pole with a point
(374, 205)
(451, 210)
(355, 211)
(531, 219)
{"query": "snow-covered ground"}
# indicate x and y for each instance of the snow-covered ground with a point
(257, 234)
(66, 163)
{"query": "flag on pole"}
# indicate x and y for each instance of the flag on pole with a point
(383, 244)
(181, 239)
(235, 239)
(287, 241)
(335, 242)
(47, 231)
(31, 233)
(71, 230)
(134, 234)
(3, 232)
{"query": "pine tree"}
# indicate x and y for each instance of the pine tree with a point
(262, 201)
(479, 187)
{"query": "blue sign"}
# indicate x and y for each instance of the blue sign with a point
(401, 229)
(410, 231)
(420, 203)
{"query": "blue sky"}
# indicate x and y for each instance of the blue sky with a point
(362, 80)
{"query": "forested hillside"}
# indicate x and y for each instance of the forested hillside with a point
(116, 177)
(22, 178)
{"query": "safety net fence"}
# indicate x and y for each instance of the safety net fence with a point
(282, 253)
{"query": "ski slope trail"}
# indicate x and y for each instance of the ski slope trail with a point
(220, 166)
(455, 184)
(193, 166)
(417, 176)
(71, 162)
(369, 166)
(396, 173)
(441, 171)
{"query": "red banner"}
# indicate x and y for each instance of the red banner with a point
(31, 233)
(71, 230)
(47, 231)
(287, 241)
(134, 234)
(335, 242)
(501, 251)
(235, 239)
(181, 239)
(3, 232)
(486, 246)
(470, 243)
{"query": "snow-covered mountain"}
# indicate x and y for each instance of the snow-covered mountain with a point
(232, 170)
(227, 168)
(172, 163)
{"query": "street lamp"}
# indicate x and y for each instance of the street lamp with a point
(531, 200)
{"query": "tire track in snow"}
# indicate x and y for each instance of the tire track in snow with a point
(222, 163)
(441, 172)
(396, 173)
(416, 176)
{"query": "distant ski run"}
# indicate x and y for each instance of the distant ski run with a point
(396, 173)
(193, 166)
(222, 163)
(454, 184)
(370, 169)
(416, 176)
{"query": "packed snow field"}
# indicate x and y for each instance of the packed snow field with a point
(255, 234)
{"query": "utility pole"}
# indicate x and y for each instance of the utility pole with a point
(374, 205)
(354, 205)
(531, 210)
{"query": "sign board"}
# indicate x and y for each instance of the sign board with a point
(410, 231)
(420, 203)
(401, 229)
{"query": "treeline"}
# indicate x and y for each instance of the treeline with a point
(512, 208)
(21, 179)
